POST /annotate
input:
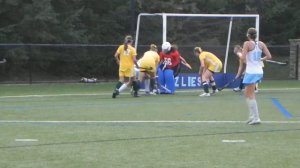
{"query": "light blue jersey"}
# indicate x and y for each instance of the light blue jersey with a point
(254, 70)
(253, 60)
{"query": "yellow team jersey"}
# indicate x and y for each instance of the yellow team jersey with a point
(152, 54)
(126, 57)
(211, 61)
(149, 60)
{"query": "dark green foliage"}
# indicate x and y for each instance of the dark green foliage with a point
(107, 21)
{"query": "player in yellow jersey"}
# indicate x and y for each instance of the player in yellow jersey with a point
(148, 64)
(209, 64)
(126, 58)
(242, 67)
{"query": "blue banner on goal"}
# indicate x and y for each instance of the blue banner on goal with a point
(192, 80)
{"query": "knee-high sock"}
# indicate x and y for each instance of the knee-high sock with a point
(147, 85)
(213, 85)
(205, 87)
(118, 85)
(123, 87)
(152, 84)
(135, 86)
(253, 109)
(241, 86)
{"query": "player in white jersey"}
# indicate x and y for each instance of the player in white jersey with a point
(252, 53)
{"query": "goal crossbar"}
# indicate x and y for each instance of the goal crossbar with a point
(166, 15)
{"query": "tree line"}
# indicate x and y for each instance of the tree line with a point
(107, 21)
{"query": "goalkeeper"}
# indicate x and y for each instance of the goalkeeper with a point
(170, 60)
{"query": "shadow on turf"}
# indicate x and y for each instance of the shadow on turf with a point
(146, 138)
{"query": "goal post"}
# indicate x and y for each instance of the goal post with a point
(165, 17)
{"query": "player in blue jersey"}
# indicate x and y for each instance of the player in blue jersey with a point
(252, 53)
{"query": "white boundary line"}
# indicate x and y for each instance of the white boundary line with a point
(105, 94)
(141, 121)
(26, 140)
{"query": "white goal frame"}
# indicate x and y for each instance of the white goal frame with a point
(166, 15)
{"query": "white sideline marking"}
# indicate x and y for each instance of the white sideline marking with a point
(159, 121)
(105, 94)
(233, 141)
(26, 140)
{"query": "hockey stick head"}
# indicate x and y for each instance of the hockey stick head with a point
(227, 84)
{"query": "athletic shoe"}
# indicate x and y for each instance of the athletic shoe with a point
(205, 95)
(152, 93)
(135, 94)
(115, 93)
(254, 122)
(249, 120)
(215, 91)
(237, 89)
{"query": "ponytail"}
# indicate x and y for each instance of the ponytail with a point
(252, 33)
(153, 47)
(127, 40)
(198, 49)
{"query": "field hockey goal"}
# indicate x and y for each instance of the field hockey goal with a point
(217, 33)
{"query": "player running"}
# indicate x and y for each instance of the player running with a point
(126, 58)
(252, 52)
(148, 64)
(209, 64)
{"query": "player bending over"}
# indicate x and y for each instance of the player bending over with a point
(148, 64)
(126, 58)
(252, 52)
(209, 64)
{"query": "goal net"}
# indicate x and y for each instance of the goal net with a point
(217, 33)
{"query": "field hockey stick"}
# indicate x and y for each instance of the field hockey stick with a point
(164, 67)
(147, 69)
(227, 84)
(3, 61)
(161, 86)
(183, 61)
(277, 62)
(186, 64)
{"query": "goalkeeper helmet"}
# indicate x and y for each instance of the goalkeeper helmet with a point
(166, 47)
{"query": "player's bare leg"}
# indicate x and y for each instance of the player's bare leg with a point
(205, 82)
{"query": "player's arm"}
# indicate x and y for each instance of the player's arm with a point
(134, 55)
(117, 56)
(245, 50)
(202, 67)
(135, 62)
(241, 69)
(266, 52)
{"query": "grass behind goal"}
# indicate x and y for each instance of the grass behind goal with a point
(181, 130)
